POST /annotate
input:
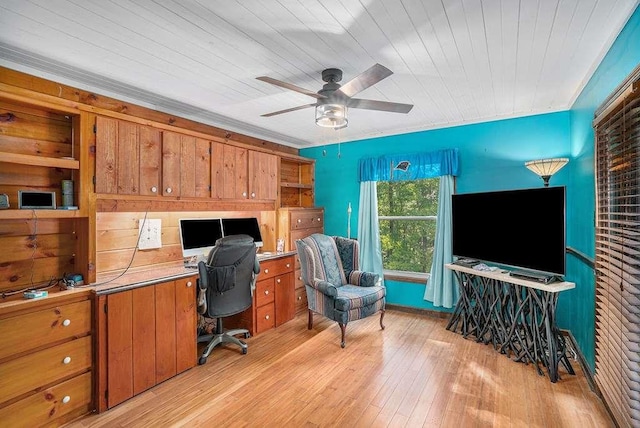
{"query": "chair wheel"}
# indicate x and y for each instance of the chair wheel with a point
(244, 351)
(202, 360)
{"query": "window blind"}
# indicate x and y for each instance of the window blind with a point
(617, 248)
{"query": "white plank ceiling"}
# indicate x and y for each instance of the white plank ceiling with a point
(457, 61)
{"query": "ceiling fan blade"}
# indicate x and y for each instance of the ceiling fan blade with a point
(291, 87)
(287, 110)
(379, 105)
(365, 79)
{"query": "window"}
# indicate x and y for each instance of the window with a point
(407, 218)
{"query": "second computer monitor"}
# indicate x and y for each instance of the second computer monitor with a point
(243, 226)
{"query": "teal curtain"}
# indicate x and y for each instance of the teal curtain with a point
(441, 289)
(369, 230)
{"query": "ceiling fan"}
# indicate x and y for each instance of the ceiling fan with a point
(334, 99)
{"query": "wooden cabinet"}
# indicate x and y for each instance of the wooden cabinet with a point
(45, 361)
(298, 223)
(133, 159)
(297, 178)
(273, 299)
(239, 173)
(146, 335)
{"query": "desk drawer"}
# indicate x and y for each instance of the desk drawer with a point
(50, 405)
(27, 373)
(33, 330)
(307, 219)
(265, 317)
(265, 290)
(303, 233)
(275, 267)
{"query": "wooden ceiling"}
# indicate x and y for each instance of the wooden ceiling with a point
(457, 61)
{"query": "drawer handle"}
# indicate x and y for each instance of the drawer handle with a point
(266, 292)
(299, 220)
(66, 399)
(266, 271)
(278, 280)
(299, 278)
(266, 317)
(188, 283)
(169, 190)
(154, 189)
(299, 297)
(288, 265)
(66, 360)
(66, 322)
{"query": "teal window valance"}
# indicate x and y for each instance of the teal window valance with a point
(409, 166)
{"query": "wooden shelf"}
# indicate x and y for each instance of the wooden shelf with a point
(29, 214)
(32, 160)
(297, 185)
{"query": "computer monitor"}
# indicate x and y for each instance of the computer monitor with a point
(246, 226)
(199, 235)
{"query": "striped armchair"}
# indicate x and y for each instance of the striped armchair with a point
(335, 287)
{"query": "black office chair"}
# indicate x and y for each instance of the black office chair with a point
(228, 279)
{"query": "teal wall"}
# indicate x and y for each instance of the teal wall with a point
(492, 156)
(577, 307)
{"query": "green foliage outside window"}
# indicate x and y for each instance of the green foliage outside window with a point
(407, 245)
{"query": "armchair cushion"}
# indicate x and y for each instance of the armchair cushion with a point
(354, 297)
(325, 288)
(363, 279)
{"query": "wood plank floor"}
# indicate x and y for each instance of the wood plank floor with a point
(414, 373)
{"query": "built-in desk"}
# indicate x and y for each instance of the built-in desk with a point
(515, 315)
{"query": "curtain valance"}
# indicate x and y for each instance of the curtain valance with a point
(409, 166)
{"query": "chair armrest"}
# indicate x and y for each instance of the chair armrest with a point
(325, 288)
(363, 279)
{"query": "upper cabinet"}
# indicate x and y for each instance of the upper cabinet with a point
(239, 173)
(186, 168)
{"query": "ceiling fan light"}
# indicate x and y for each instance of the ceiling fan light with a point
(331, 116)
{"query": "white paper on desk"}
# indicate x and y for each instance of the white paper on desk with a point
(150, 231)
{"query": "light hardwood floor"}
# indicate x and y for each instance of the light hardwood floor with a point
(414, 373)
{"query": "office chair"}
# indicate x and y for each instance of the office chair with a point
(228, 280)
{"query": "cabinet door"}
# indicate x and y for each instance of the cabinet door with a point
(166, 331)
(119, 347)
(150, 160)
(186, 324)
(144, 338)
(171, 151)
(285, 298)
(263, 175)
(228, 171)
(106, 155)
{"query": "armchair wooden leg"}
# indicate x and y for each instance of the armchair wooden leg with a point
(343, 328)
(381, 318)
(310, 323)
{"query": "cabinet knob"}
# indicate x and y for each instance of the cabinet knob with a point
(66, 322)
(253, 195)
(266, 271)
(299, 220)
(266, 317)
(188, 283)
(278, 280)
(299, 297)
(66, 399)
(244, 194)
(299, 278)
(66, 360)
(318, 218)
(288, 265)
(154, 189)
(266, 292)
(169, 190)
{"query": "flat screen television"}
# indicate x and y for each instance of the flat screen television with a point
(524, 228)
(243, 226)
(199, 235)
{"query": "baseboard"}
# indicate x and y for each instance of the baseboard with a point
(422, 311)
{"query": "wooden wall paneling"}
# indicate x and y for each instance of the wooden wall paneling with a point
(106, 155)
(171, 150)
(144, 338)
(186, 324)
(34, 147)
(128, 164)
(150, 160)
(165, 306)
(35, 123)
(26, 273)
(187, 166)
(40, 246)
(119, 347)
(203, 168)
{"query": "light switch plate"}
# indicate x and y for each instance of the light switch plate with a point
(150, 234)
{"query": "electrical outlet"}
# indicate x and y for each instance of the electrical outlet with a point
(150, 234)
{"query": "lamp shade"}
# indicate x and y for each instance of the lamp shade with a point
(331, 116)
(545, 168)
